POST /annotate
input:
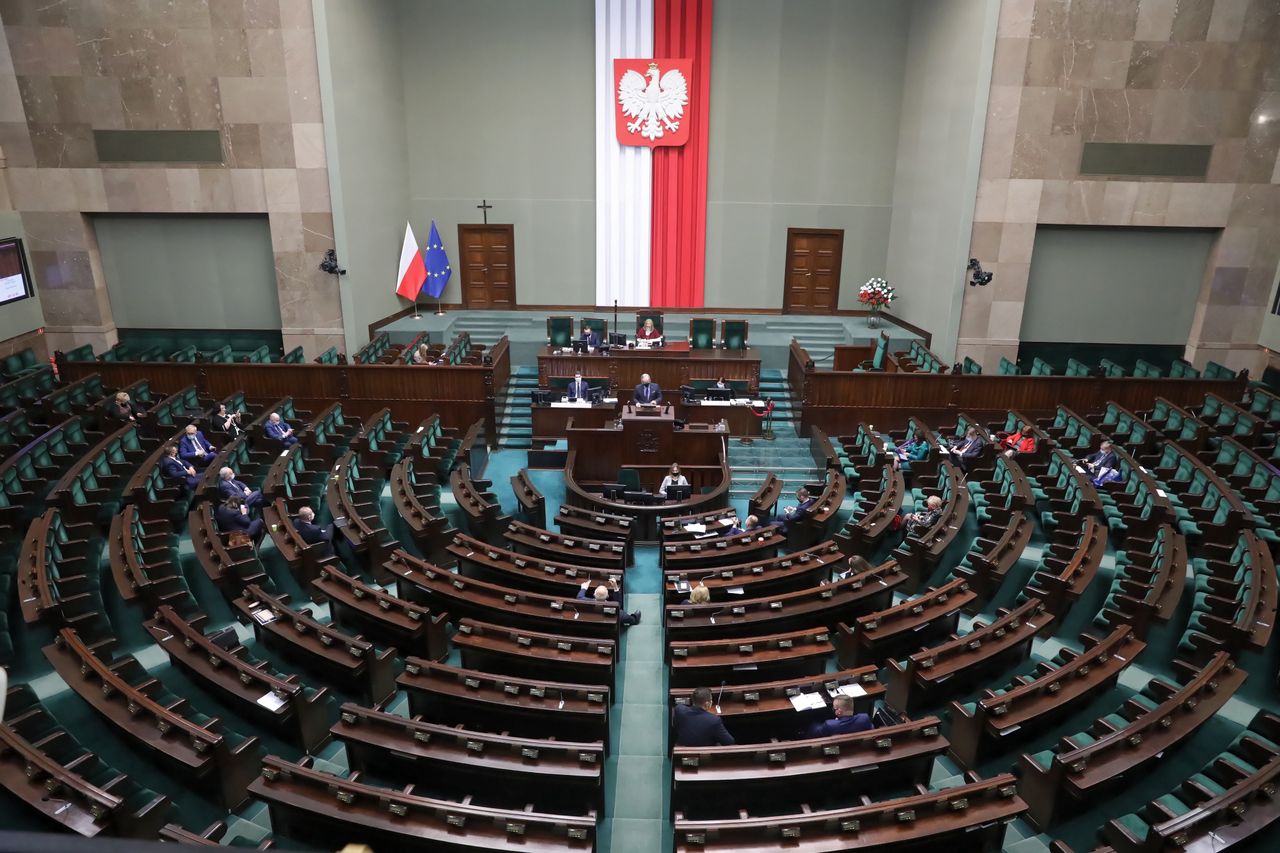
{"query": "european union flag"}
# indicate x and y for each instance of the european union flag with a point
(437, 263)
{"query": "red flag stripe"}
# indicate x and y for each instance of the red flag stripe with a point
(678, 243)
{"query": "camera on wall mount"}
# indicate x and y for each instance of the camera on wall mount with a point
(330, 264)
(980, 277)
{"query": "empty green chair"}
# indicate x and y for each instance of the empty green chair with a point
(559, 331)
(971, 366)
(1008, 368)
(733, 334)
(1075, 367)
(702, 333)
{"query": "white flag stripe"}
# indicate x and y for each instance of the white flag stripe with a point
(624, 173)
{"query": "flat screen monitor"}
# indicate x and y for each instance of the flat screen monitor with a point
(613, 491)
(596, 395)
(15, 281)
(617, 339)
(542, 397)
(579, 346)
(714, 393)
(643, 498)
(679, 493)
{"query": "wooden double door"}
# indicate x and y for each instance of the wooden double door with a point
(812, 284)
(488, 265)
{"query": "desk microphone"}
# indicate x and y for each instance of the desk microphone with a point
(714, 615)
(718, 695)
(576, 614)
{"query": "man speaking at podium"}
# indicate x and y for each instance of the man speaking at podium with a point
(647, 392)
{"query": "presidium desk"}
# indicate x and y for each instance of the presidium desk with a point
(670, 366)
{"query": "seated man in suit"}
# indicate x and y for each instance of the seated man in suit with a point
(280, 431)
(965, 454)
(230, 487)
(846, 722)
(195, 449)
(233, 516)
(735, 527)
(225, 422)
(647, 391)
(648, 332)
(312, 533)
(1104, 465)
(753, 523)
(578, 388)
(675, 478)
(591, 337)
(175, 470)
(614, 594)
(803, 507)
(697, 723)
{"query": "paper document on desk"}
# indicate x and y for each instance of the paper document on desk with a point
(807, 701)
(264, 616)
(852, 690)
(271, 701)
(695, 528)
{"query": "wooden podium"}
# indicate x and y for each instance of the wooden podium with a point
(648, 435)
(646, 439)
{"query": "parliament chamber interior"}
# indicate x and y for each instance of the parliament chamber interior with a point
(319, 531)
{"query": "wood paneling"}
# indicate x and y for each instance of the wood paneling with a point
(460, 394)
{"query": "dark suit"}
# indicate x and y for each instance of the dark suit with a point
(797, 512)
(591, 337)
(1103, 460)
(176, 471)
(581, 390)
(734, 531)
(189, 444)
(314, 534)
(233, 488)
(230, 520)
(841, 726)
(696, 727)
(277, 431)
(967, 452)
(124, 411)
(650, 393)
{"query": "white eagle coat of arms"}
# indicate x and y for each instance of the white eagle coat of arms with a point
(652, 105)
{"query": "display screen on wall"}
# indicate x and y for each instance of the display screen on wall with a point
(15, 283)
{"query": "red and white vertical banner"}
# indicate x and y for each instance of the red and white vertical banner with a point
(653, 84)
(678, 257)
(624, 174)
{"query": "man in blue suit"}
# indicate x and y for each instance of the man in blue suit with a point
(794, 513)
(175, 470)
(230, 487)
(280, 431)
(233, 516)
(591, 337)
(846, 722)
(312, 533)
(697, 723)
(647, 391)
(194, 448)
(578, 388)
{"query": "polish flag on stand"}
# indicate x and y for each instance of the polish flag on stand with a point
(413, 273)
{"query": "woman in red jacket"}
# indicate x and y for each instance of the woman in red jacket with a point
(1019, 443)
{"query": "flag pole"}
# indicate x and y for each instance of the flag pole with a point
(439, 308)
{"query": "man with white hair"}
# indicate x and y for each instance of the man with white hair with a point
(280, 430)
(613, 593)
(312, 533)
(194, 448)
(230, 487)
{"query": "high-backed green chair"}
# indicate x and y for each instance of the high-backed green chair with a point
(971, 366)
(649, 314)
(559, 331)
(1040, 367)
(702, 333)
(733, 334)
(876, 362)
(599, 324)
(1076, 367)
(1008, 368)
(630, 478)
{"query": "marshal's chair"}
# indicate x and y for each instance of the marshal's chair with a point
(733, 334)
(649, 314)
(599, 324)
(559, 331)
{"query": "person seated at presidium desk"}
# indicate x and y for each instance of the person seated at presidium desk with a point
(697, 723)
(578, 389)
(175, 470)
(194, 448)
(648, 332)
(675, 478)
(647, 392)
(591, 337)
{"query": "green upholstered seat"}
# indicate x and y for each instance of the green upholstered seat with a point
(733, 334)
(702, 333)
(559, 331)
